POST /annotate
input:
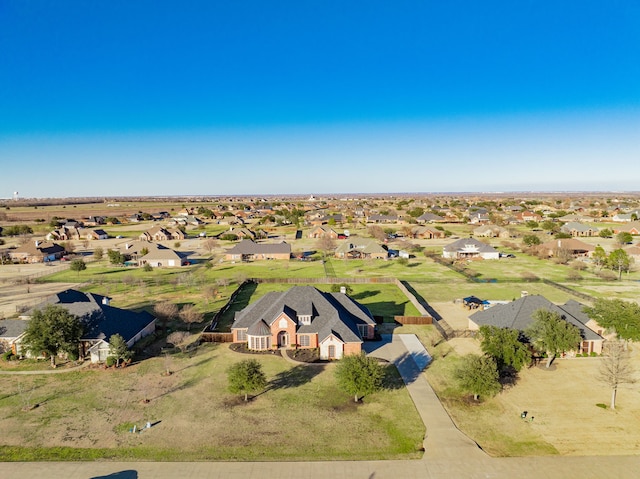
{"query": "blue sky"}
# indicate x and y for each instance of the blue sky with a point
(112, 98)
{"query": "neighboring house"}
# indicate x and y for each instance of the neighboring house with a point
(306, 318)
(479, 218)
(37, 252)
(11, 331)
(138, 253)
(94, 221)
(323, 232)
(574, 246)
(93, 234)
(360, 248)
(525, 216)
(100, 321)
(382, 219)
(158, 233)
(622, 218)
(632, 228)
(469, 248)
(426, 232)
(64, 233)
(518, 315)
(429, 218)
(634, 252)
(491, 231)
(248, 250)
(186, 220)
(161, 257)
(578, 229)
(241, 233)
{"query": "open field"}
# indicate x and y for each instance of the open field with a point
(302, 416)
(562, 401)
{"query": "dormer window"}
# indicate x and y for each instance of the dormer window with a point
(304, 319)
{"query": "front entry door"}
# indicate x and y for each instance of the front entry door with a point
(283, 338)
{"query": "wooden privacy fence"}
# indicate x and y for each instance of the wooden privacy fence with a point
(324, 280)
(413, 319)
(211, 337)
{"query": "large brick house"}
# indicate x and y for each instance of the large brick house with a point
(305, 317)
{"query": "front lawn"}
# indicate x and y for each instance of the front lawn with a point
(302, 416)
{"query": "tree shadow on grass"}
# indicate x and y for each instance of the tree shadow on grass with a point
(295, 377)
(408, 367)
(365, 294)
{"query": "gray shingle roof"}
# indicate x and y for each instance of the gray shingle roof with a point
(12, 328)
(100, 320)
(247, 246)
(331, 313)
(518, 314)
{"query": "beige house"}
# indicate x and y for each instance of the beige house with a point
(37, 251)
(360, 248)
(518, 315)
(248, 250)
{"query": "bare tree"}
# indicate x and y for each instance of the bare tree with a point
(179, 339)
(210, 244)
(616, 368)
(377, 232)
(210, 293)
(190, 315)
(326, 244)
(165, 311)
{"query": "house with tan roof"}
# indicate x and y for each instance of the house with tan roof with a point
(248, 250)
(355, 247)
(576, 247)
(37, 251)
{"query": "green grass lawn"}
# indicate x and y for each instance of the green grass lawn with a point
(381, 299)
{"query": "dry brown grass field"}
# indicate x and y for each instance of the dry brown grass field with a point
(302, 415)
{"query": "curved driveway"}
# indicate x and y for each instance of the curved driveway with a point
(448, 452)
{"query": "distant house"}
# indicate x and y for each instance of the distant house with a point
(100, 321)
(518, 315)
(93, 234)
(64, 233)
(323, 232)
(382, 219)
(469, 248)
(37, 252)
(139, 253)
(491, 231)
(632, 227)
(429, 218)
(360, 248)
(574, 246)
(426, 232)
(158, 233)
(479, 218)
(248, 250)
(525, 216)
(578, 229)
(306, 318)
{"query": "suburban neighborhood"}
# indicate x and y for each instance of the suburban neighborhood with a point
(307, 283)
